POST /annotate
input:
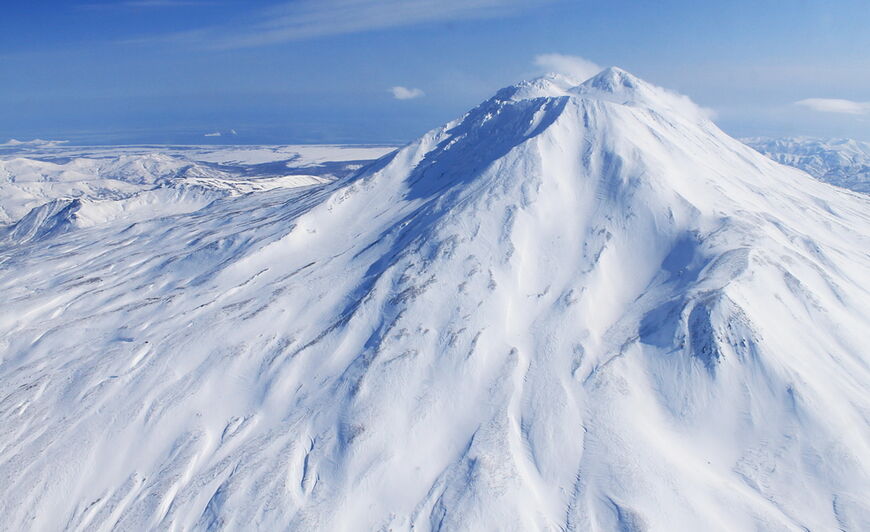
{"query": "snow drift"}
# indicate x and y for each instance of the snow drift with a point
(574, 308)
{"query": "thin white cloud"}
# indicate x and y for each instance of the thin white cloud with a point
(34, 142)
(833, 105)
(163, 3)
(144, 4)
(307, 19)
(404, 93)
(572, 66)
(229, 132)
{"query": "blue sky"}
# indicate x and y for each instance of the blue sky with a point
(172, 71)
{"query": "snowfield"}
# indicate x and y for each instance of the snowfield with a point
(142, 180)
(581, 306)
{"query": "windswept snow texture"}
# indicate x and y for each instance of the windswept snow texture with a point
(841, 162)
(574, 308)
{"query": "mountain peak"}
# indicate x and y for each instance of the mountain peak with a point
(620, 86)
(552, 85)
(612, 84)
(614, 80)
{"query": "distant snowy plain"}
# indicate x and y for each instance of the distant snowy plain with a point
(581, 306)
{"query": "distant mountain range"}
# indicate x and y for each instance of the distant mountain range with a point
(841, 162)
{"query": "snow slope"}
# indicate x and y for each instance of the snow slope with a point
(841, 162)
(574, 308)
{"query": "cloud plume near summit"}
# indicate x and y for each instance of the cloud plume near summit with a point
(569, 65)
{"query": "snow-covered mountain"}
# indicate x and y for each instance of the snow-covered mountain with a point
(841, 162)
(577, 307)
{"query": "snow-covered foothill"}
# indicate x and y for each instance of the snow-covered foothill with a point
(157, 181)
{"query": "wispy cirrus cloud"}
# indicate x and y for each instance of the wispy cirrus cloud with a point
(307, 19)
(144, 4)
(404, 93)
(164, 3)
(834, 105)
